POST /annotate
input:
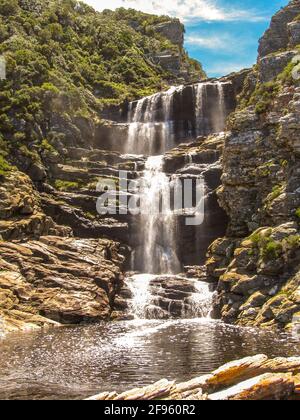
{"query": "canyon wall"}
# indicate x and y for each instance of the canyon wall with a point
(257, 263)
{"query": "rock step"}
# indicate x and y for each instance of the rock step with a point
(82, 225)
(94, 155)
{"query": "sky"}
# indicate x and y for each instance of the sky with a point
(222, 34)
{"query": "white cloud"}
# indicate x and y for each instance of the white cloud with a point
(186, 10)
(222, 68)
(207, 42)
(221, 42)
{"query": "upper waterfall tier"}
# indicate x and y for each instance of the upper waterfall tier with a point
(158, 122)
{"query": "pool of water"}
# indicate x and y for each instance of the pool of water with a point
(76, 362)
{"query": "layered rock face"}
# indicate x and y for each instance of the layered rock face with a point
(191, 161)
(277, 36)
(257, 264)
(47, 277)
(57, 280)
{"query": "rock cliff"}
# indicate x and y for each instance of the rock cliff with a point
(257, 264)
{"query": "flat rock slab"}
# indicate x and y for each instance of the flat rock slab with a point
(265, 387)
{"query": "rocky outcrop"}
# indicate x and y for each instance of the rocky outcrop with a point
(277, 36)
(261, 285)
(252, 378)
(294, 33)
(57, 281)
(21, 216)
(272, 65)
(172, 30)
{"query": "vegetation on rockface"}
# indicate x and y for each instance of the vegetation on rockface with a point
(271, 249)
(65, 62)
(262, 95)
(5, 167)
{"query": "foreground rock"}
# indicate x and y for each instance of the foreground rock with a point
(57, 280)
(252, 378)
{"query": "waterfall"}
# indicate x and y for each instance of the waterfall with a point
(157, 124)
(158, 222)
(199, 303)
(210, 107)
(150, 124)
(139, 285)
(150, 297)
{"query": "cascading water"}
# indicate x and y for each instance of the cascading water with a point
(152, 132)
(158, 221)
(139, 285)
(210, 117)
(156, 131)
(168, 296)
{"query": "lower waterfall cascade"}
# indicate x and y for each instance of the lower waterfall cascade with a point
(157, 297)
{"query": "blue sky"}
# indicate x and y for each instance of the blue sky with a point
(222, 34)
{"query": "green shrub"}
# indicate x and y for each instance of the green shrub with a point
(8, 7)
(255, 238)
(271, 250)
(297, 213)
(5, 167)
(264, 95)
(62, 185)
(64, 59)
(293, 241)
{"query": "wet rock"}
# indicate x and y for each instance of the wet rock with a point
(252, 378)
(82, 225)
(264, 387)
